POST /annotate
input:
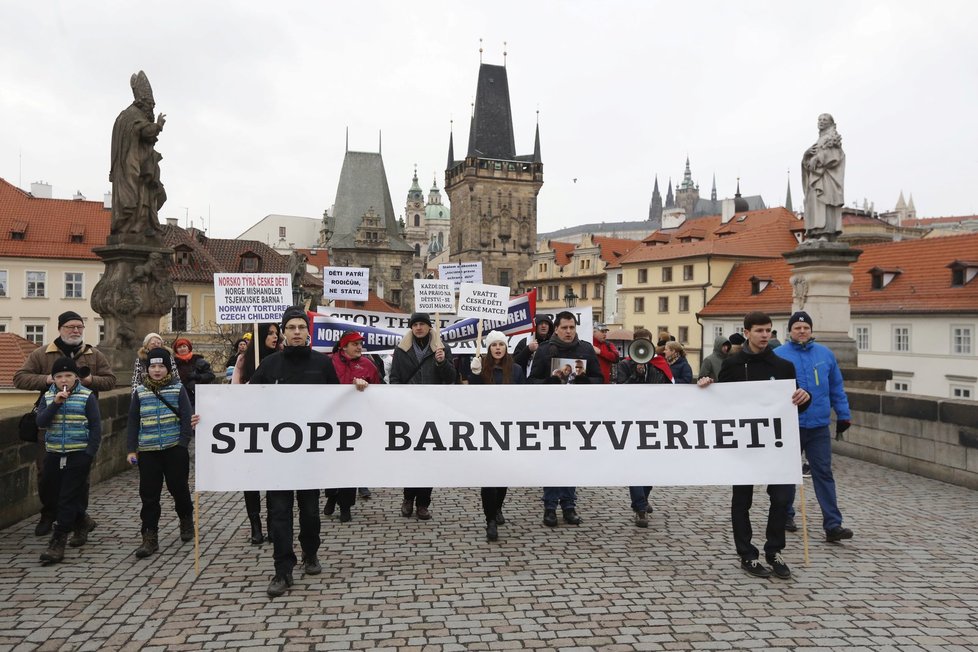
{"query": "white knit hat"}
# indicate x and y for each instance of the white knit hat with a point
(496, 336)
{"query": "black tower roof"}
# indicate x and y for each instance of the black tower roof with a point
(491, 135)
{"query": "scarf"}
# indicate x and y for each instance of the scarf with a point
(156, 385)
(69, 350)
(185, 357)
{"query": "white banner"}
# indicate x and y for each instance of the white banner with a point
(352, 283)
(433, 296)
(459, 273)
(253, 437)
(246, 298)
(483, 301)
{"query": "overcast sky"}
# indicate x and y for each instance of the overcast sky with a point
(258, 96)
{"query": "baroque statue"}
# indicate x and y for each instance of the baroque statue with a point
(823, 169)
(137, 192)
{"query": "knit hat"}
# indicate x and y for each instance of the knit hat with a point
(737, 339)
(161, 356)
(64, 363)
(419, 317)
(496, 336)
(177, 343)
(801, 316)
(294, 312)
(150, 336)
(68, 316)
(350, 337)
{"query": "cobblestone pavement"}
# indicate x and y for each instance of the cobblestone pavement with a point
(907, 581)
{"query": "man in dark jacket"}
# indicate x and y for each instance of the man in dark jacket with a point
(421, 359)
(526, 349)
(563, 346)
(296, 364)
(756, 361)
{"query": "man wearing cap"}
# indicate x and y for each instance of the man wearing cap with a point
(605, 350)
(543, 328)
(36, 376)
(295, 364)
(819, 374)
(421, 358)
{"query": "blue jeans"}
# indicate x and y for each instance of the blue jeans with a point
(817, 444)
(566, 496)
(640, 498)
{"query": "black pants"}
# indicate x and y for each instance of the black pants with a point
(419, 495)
(253, 503)
(492, 501)
(279, 504)
(64, 487)
(171, 465)
(345, 497)
(740, 503)
(49, 499)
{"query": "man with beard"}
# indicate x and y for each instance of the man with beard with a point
(564, 344)
(36, 376)
(526, 349)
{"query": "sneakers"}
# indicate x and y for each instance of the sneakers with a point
(423, 513)
(56, 549)
(44, 526)
(279, 585)
(806, 470)
(838, 534)
(492, 532)
(641, 519)
(790, 525)
(407, 508)
(778, 567)
(330, 506)
(755, 568)
(80, 536)
(311, 566)
(550, 517)
(571, 517)
(151, 543)
(345, 515)
(500, 519)
(187, 528)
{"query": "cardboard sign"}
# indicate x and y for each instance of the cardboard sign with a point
(247, 298)
(483, 301)
(433, 296)
(459, 273)
(352, 283)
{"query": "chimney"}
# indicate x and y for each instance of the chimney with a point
(171, 221)
(78, 196)
(41, 190)
(726, 211)
(107, 200)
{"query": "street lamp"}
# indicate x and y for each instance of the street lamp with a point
(570, 299)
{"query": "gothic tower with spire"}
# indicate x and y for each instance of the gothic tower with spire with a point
(687, 193)
(415, 227)
(655, 206)
(493, 191)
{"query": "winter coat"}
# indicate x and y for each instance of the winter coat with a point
(517, 376)
(33, 375)
(541, 373)
(193, 372)
(712, 363)
(681, 371)
(607, 356)
(153, 426)
(75, 425)
(348, 370)
(522, 355)
(818, 374)
(295, 365)
(745, 365)
(406, 369)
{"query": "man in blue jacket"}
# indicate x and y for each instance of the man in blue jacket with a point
(818, 373)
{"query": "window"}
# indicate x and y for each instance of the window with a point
(684, 303)
(3, 327)
(3, 282)
(36, 282)
(667, 274)
(683, 334)
(395, 273)
(639, 304)
(101, 332)
(249, 264)
(962, 340)
(77, 238)
(758, 285)
(862, 338)
(619, 278)
(396, 297)
(643, 275)
(73, 285)
(960, 391)
(687, 272)
(901, 339)
(281, 232)
(717, 331)
(901, 386)
(663, 304)
(182, 256)
(417, 220)
(34, 333)
(551, 293)
(178, 314)
(583, 291)
(598, 288)
(504, 276)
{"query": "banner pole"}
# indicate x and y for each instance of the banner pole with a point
(478, 339)
(196, 532)
(254, 338)
(804, 522)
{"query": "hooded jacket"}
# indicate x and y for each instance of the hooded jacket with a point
(541, 373)
(522, 355)
(712, 363)
(406, 369)
(818, 374)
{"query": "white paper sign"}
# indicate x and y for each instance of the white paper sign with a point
(248, 298)
(351, 283)
(483, 301)
(459, 273)
(433, 296)
(254, 437)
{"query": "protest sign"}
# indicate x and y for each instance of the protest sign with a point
(434, 296)
(352, 283)
(245, 298)
(254, 437)
(459, 273)
(488, 302)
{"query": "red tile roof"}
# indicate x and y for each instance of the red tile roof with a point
(320, 259)
(562, 251)
(14, 350)
(924, 222)
(922, 286)
(48, 225)
(613, 249)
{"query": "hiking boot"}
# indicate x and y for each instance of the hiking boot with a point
(56, 549)
(423, 513)
(187, 528)
(500, 519)
(279, 585)
(256, 534)
(755, 568)
(151, 543)
(492, 532)
(778, 567)
(550, 517)
(311, 566)
(80, 536)
(838, 533)
(364, 492)
(345, 515)
(330, 506)
(43, 527)
(790, 525)
(570, 516)
(641, 519)
(407, 507)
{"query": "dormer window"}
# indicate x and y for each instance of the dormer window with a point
(181, 256)
(883, 277)
(758, 285)
(18, 230)
(962, 272)
(77, 234)
(250, 263)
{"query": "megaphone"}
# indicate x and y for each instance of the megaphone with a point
(641, 351)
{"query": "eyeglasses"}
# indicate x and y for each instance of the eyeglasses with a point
(73, 328)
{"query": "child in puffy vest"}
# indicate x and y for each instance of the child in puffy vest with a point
(160, 428)
(69, 413)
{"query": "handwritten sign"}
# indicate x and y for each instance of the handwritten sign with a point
(246, 298)
(459, 273)
(433, 296)
(351, 283)
(483, 301)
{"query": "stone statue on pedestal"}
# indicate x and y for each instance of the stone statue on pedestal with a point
(823, 168)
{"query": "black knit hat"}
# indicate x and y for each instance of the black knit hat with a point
(294, 312)
(64, 363)
(68, 316)
(737, 339)
(419, 317)
(161, 356)
(801, 316)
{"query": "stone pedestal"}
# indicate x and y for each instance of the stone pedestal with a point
(821, 279)
(133, 294)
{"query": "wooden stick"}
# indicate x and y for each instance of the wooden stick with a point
(197, 533)
(804, 522)
(254, 339)
(478, 338)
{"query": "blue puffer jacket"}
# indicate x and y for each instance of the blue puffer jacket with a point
(818, 374)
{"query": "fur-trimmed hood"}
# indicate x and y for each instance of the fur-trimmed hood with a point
(407, 342)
